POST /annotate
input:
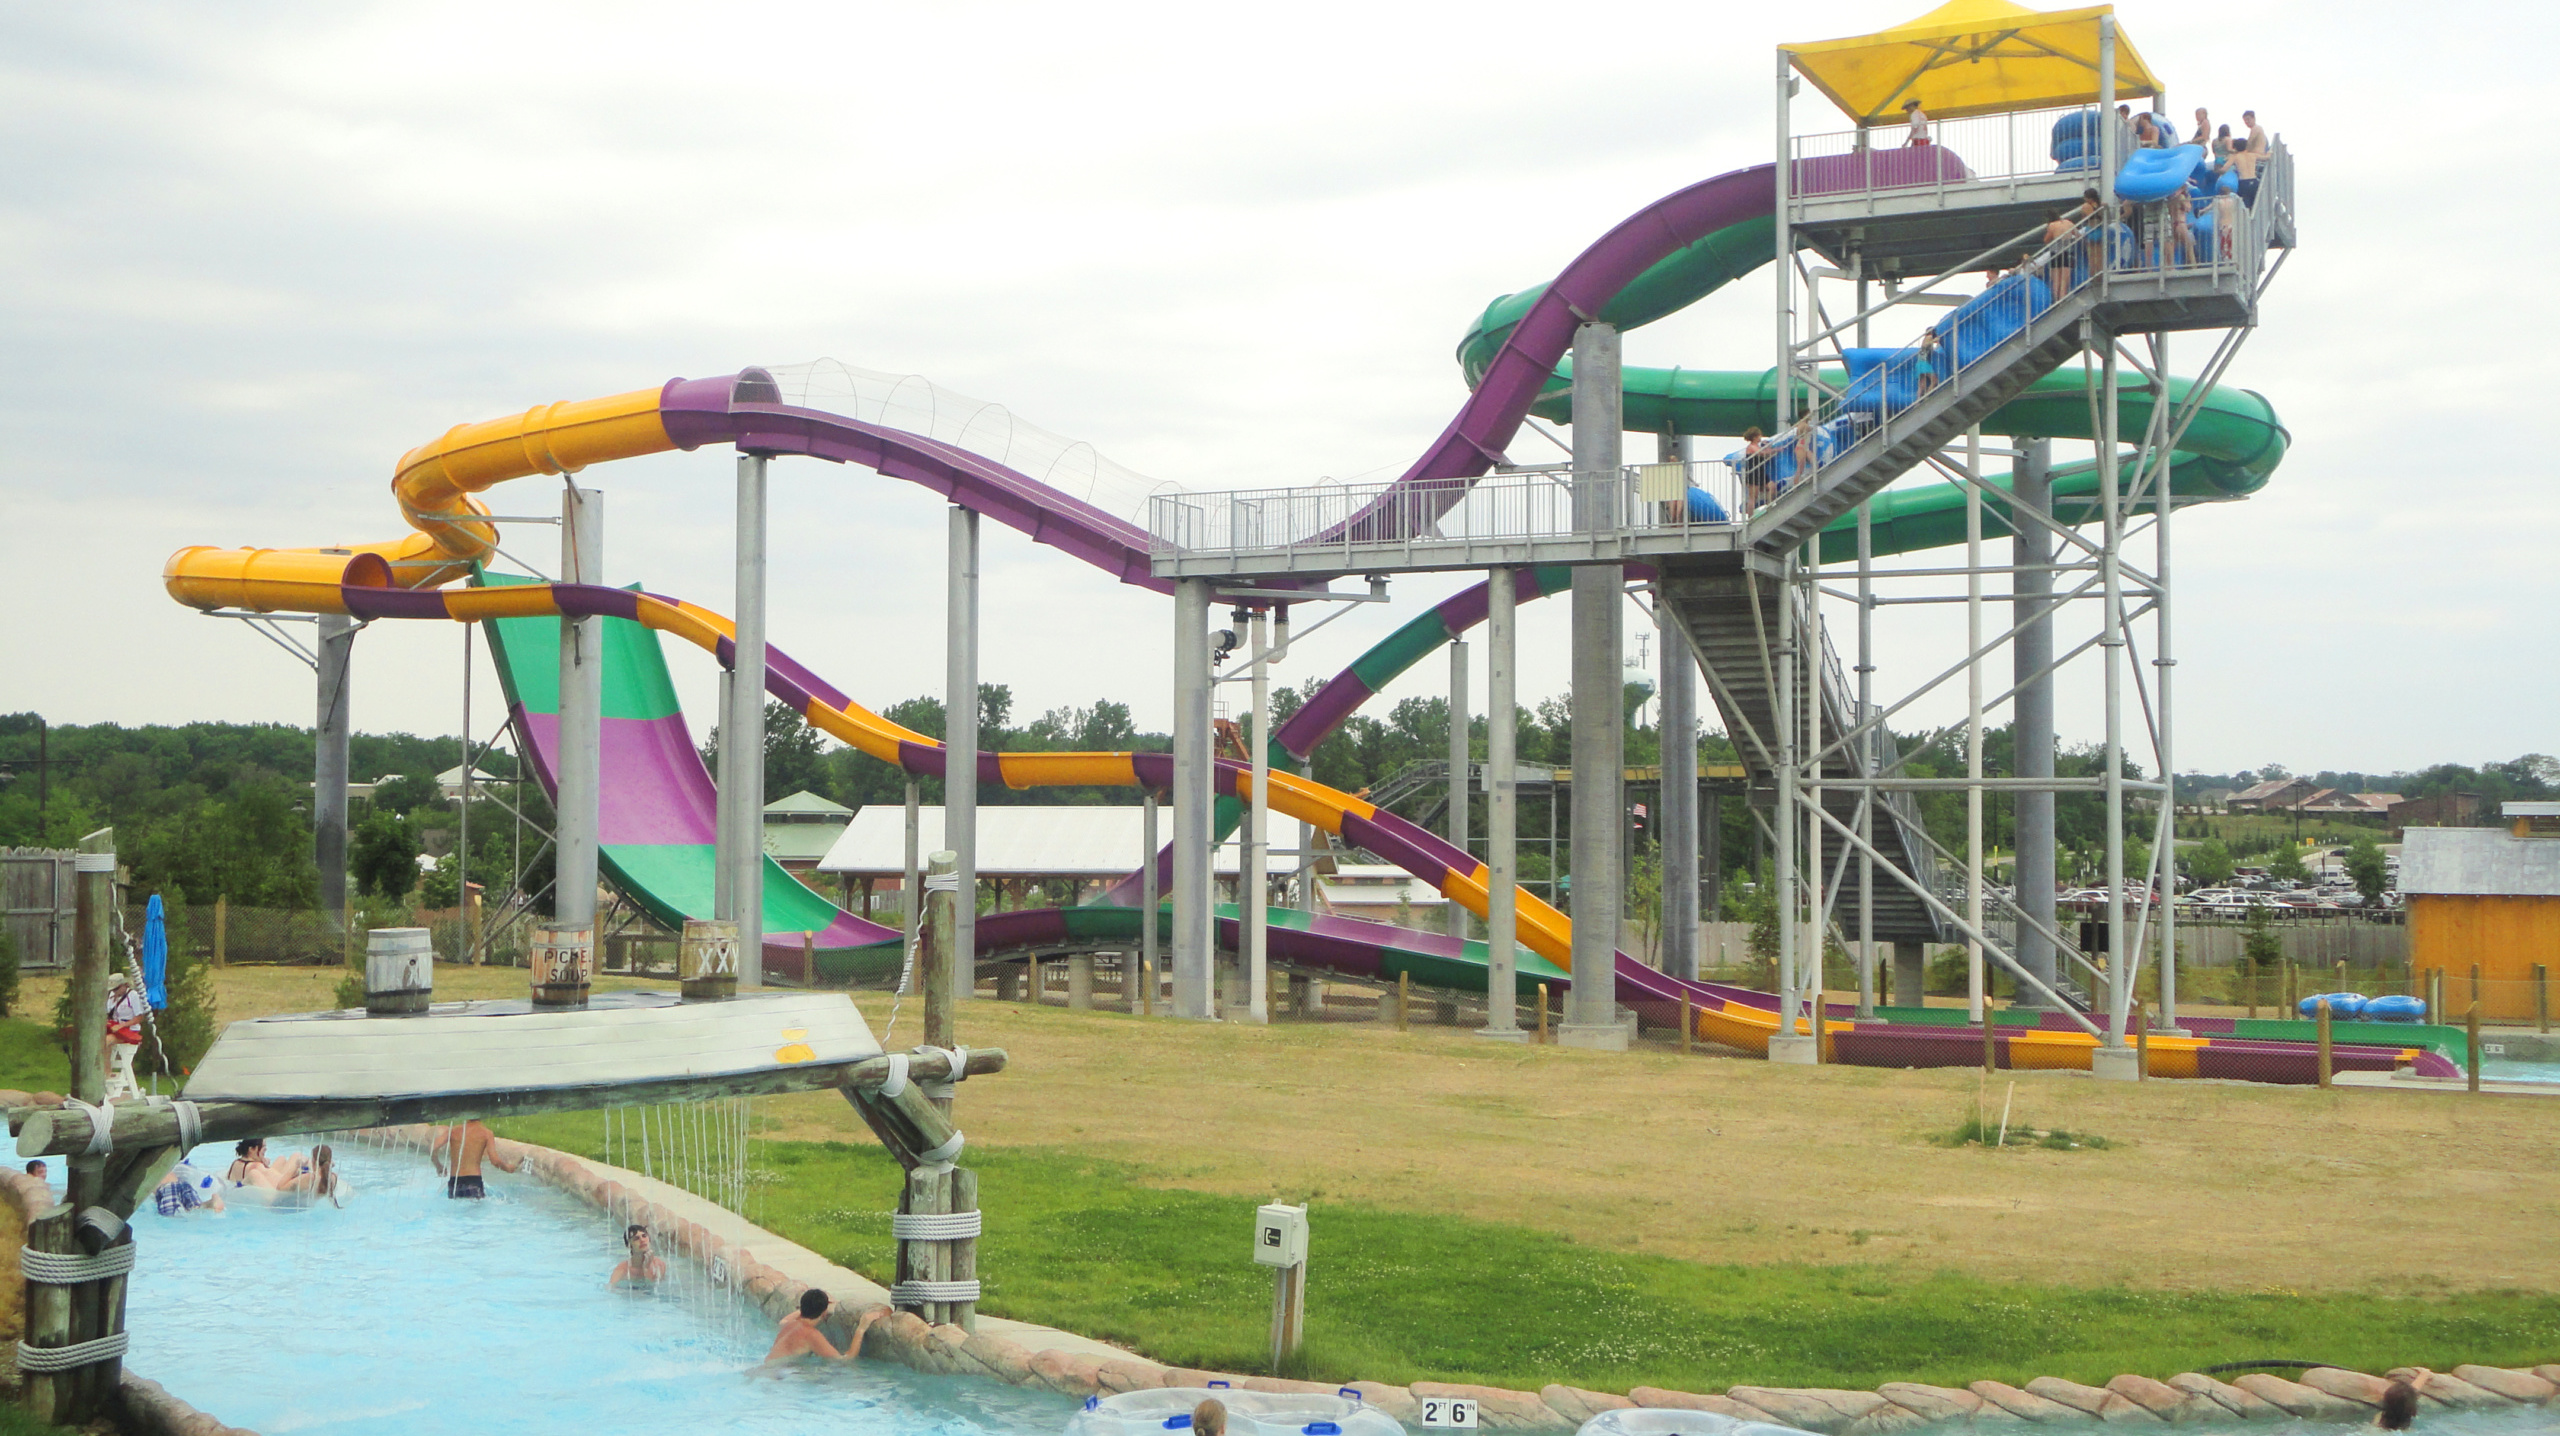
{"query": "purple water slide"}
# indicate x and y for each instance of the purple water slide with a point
(705, 411)
(1476, 438)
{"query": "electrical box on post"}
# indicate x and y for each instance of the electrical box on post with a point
(1280, 1235)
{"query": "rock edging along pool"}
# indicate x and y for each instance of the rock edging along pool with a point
(1043, 1358)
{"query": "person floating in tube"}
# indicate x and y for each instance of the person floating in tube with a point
(470, 1143)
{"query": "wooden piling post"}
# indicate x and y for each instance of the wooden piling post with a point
(1990, 1035)
(221, 928)
(48, 1308)
(2327, 1051)
(2141, 1044)
(2475, 987)
(1688, 1022)
(963, 1250)
(934, 948)
(1404, 998)
(2541, 998)
(920, 1259)
(2471, 1025)
(1542, 1014)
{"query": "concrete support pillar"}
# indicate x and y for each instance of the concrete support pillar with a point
(1910, 974)
(1459, 750)
(960, 738)
(742, 727)
(332, 726)
(573, 893)
(1080, 981)
(1599, 724)
(1502, 805)
(1678, 696)
(1194, 932)
(2031, 554)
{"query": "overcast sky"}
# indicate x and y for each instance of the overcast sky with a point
(253, 253)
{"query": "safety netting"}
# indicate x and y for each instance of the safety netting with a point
(988, 429)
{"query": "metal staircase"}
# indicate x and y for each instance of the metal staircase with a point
(1731, 614)
(1903, 438)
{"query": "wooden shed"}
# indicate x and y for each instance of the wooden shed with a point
(2488, 897)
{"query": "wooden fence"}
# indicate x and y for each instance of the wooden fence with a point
(37, 901)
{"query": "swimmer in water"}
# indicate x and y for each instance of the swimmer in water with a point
(1209, 1418)
(800, 1335)
(470, 1143)
(641, 1267)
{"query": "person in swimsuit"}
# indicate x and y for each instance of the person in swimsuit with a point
(2247, 156)
(2204, 130)
(800, 1335)
(641, 1267)
(320, 1181)
(1924, 360)
(1755, 466)
(250, 1167)
(1808, 451)
(2399, 1407)
(471, 1143)
(1209, 1418)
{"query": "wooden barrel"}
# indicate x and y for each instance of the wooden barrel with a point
(564, 963)
(707, 964)
(399, 971)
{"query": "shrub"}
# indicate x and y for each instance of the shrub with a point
(8, 971)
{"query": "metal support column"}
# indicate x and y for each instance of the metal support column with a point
(2116, 1059)
(1786, 1045)
(1678, 721)
(332, 727)
(1871, 747)
(1194, 932)
(960, 739)
(2031, 711)
(1502, 805)
(581, 786)
(1599, 724)
(2164, 853)
(1977, 980)
(1253, 886)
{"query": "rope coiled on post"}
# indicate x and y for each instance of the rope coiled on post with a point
(104, 1348)
(102, 1124)
(73, 1268)
(916, 1291)
(190, 1120)
(935, 1226)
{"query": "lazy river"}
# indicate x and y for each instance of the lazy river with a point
(407, 1311)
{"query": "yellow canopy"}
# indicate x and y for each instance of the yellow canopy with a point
(1972, 57)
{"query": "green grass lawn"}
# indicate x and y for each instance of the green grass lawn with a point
(29, 1059)
(1400, 1296)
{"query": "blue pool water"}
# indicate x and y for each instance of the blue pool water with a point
(2509, 1069)
(408, 1312)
